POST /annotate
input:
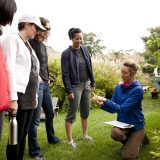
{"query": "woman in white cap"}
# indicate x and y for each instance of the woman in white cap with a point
(23, 69)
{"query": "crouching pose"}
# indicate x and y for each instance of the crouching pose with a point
(126, 102)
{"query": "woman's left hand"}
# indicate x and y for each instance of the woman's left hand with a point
(93, 88)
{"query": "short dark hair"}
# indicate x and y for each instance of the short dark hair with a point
(21, 25)
(7, 10)
(73, 31)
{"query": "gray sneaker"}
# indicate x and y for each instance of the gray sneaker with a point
(88, 138)
(39, 157)
(72, 143)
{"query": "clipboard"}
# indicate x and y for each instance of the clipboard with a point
(119, 124)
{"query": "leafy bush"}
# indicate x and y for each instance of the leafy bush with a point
(56, 83)
(106, 78)
(148, 68)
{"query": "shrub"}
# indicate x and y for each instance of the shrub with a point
(106, 78)
(56, 84)
(148, 68)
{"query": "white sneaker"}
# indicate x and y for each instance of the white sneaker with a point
(88, 138)
(72, 143)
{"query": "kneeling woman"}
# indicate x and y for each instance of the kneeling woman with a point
(126, 101)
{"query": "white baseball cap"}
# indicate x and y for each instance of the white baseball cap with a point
(32, 19)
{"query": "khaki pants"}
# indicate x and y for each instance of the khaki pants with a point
(132, 141)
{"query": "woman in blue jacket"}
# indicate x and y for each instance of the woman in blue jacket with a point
(78, 80)
(126, 102)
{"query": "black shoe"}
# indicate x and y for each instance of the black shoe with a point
(146, 140)
(55, 140)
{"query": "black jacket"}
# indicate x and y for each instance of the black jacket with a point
(70, 68)
(41, 52)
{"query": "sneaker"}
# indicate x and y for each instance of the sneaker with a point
(88, 138)
(39, 157)
(72, 143)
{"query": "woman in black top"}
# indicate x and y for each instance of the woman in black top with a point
(44, 96)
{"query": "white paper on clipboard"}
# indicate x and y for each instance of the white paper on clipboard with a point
(119, 124)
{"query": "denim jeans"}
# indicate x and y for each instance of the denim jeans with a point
(157, 84)
(44, 101)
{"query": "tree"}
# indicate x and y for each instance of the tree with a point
(148, 68)
(93, 43)
(152, 46)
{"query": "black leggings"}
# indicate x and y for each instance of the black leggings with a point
(24, 118)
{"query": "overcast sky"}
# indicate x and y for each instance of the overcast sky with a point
(120, 23)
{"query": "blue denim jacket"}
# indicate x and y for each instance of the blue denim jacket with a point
(70, 68)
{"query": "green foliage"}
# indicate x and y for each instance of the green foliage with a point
(56, 84)
(155, 139)
(105, 79)
(118, 55)
(152, 46)
(93, 43)
(152, 42)
(103, 148)
(148, 68)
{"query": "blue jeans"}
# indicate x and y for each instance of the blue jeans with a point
(157, 84)
(44, 101)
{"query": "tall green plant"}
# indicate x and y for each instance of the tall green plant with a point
(152, 46)
(56, 85)
(105, 79)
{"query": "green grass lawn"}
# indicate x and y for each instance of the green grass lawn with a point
(104, 148)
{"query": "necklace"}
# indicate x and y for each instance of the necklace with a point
(26, 44)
